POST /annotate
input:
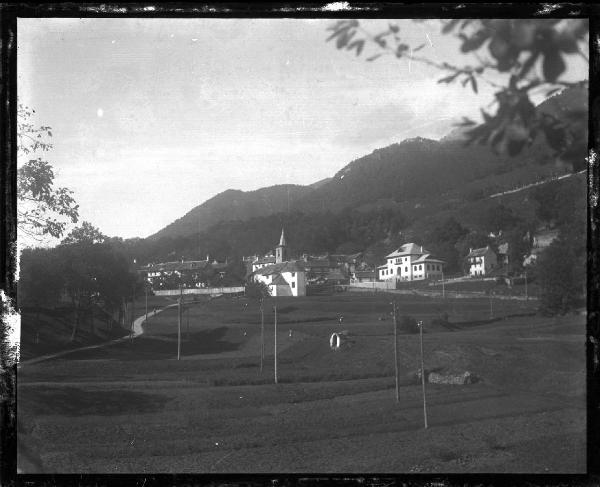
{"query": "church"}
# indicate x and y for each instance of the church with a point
(283, 277)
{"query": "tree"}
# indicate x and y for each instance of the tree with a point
(42, 208)
(442, 239)
(86, 233)
(40, 278)
(560, 271)
(508, 49)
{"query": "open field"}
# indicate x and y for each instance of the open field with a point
(131, 407)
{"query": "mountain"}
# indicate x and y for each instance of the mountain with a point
(232, 205)
(417, 177)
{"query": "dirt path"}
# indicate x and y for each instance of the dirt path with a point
(138, 330)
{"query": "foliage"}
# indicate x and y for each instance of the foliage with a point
(86, 233)
(42, 208)
(408, 324)
(40, 278)
(519, 246)
(502, 47)
(500, 218)
(257, 290)
(560, 271)
(87, 272)
(441, 241)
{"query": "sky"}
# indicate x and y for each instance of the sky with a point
(152, 117)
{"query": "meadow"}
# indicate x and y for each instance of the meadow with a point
(132, 407)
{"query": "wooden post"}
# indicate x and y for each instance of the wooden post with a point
(275, 344)
(423, 374)
(491, 307)
(262, 334)
(146, 292)
(443, 287)
(179, 323)
(396, 353)
(526, 294)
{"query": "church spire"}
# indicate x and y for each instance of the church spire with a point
(282, 239)
(281, 252)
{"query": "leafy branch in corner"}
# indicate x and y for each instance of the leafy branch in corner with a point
(503, 48)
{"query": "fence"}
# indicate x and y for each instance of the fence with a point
(204, 290)
(390, 288)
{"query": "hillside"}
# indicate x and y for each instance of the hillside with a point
(417, 178)
(234, 205)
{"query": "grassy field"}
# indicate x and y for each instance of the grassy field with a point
(132, 407)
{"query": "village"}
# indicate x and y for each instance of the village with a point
(284, 275)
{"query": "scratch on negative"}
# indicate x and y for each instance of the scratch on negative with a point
(548, 8)
(429, 39)
(592, 161)
(220, 460)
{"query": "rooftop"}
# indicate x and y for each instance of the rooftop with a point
(408, 249)
(291, 266)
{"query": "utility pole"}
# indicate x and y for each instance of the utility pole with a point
(423, 374)
(396, 352)
(179, 322)
(146, 292)
(133, 302)
(491, 306)
(275, 347)
(526, 294)
(443, 287)
(262, 334)
(187, 313)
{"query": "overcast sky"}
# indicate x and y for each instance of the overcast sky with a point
(152, 117)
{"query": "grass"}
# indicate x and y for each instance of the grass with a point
(132, 407)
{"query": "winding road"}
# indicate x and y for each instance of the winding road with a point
(138, 330)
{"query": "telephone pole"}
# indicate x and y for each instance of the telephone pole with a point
(275, 346)
(423, 374)
(443, 286)
(396, 352)
(262, 334)
(179, 322)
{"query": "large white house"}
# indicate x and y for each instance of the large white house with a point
(284, 277)
(481, 261)
(411, 262)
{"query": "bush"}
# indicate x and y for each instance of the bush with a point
(408, 324)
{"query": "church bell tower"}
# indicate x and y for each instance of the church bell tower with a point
(281, 251)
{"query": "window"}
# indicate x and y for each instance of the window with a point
(420, 267)
(406, 269)
(293, 274)
(293, 284)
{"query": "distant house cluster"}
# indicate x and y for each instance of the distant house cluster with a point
(184, 273)
(291, 277)
(411, 262)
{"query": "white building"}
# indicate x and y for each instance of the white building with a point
(284, 278)
(409, 263)
(481, 261)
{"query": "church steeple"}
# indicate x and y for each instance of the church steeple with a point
(281, 250)
(282, 239)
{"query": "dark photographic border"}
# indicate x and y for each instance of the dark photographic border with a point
(8, 368)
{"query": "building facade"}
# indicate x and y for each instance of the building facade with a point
(283, 277)
(409, 263)
(481, 261)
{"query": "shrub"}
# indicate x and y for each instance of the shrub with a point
(408, 324)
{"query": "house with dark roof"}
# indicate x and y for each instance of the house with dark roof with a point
(411, 262)
(187, 273)
(481, 261)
